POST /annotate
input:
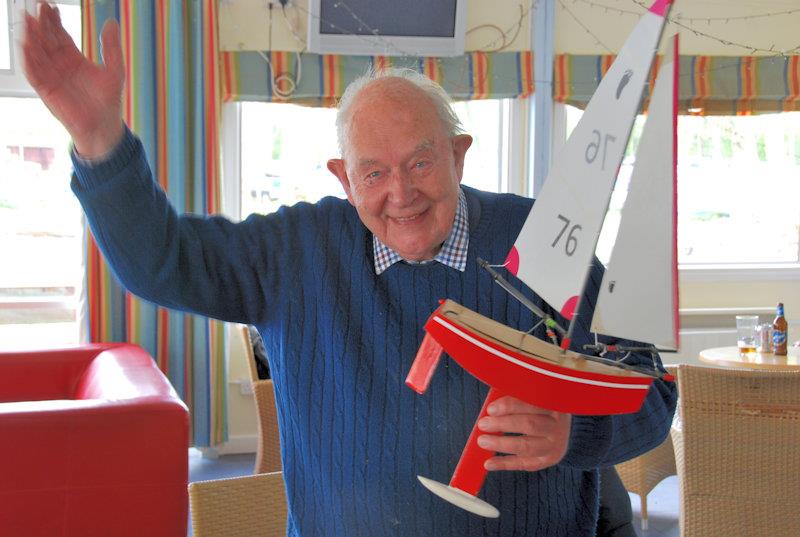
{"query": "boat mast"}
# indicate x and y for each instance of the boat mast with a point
(513, 291)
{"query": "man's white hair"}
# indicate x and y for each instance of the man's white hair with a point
(438, 96)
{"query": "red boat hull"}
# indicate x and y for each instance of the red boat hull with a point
(539, 381)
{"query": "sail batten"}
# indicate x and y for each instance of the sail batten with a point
(557, 242)
(638, 296)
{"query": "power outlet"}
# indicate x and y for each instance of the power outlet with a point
(245, 387)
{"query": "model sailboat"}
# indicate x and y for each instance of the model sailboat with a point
(553, 252)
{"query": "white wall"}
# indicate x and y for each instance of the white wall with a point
(245, 25)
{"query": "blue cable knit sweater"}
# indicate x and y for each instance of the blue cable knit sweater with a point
(341, 340)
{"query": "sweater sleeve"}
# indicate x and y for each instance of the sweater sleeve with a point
(597, 441)
(199, 264)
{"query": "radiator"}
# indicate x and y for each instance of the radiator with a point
(695, 340)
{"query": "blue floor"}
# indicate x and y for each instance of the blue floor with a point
(206, 468)
(663, 507)
(662, 503)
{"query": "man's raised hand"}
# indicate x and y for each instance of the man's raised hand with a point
(85, 97)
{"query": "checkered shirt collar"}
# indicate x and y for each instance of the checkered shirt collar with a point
(453, 252)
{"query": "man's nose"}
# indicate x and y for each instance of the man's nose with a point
(402, 190)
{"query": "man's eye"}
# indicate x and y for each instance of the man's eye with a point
(421, 164)
(373, 175)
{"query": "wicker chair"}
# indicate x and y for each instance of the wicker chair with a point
(737, 448)
(239, 506)
(268, 454)
(641, 474)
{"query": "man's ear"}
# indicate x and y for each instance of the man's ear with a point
(338, 168)
(461, 143)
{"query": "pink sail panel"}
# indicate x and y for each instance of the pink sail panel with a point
(660, 7)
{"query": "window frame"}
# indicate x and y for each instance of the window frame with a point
(13, 84)
(516, 177)
(12, 81)
(515, 147)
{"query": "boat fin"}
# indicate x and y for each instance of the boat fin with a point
(470, 473)
(428, 355)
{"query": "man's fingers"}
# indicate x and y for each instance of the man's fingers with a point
(529, 424)
(63, 39)
(112, 48)
(49, 23)
(513, 462)
(515, 445)
(34, 57)
(512, 405)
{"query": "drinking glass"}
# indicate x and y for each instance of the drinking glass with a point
(746, 333)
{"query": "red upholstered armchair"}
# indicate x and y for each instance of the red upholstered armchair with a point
(93, 442)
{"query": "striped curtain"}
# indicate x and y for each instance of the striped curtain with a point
(172, 102)
(246, 75)
(709, 85)
(714, 85)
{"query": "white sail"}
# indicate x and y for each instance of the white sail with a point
(639, 295)
(556, 245)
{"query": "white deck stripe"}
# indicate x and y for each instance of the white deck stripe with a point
(526, 365)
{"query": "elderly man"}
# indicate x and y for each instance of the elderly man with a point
(340, 292)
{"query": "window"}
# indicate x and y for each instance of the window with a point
(285, 149)
(486, 121)
(40, 220)
(5, 37)
(738, 189)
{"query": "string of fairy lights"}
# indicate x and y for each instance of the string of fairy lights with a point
(285, 83)
(689, 24)
(701, 27)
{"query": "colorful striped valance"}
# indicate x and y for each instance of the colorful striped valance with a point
(713, 85)
(478, 75)
(709, 85)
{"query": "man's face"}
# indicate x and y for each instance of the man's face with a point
(401, 169)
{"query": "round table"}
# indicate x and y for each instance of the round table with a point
(731, 357)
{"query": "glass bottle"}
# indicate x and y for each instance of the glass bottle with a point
(779, 328)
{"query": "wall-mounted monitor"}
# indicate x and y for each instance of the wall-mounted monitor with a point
(387, 27)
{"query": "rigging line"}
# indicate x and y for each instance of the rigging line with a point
(637, 368)
(502, 282)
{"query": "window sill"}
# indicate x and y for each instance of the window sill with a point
(740, 272)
